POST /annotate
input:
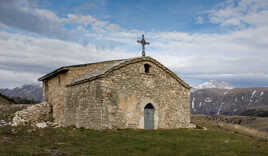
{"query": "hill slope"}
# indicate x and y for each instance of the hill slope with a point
(4, 100)
(228, 101)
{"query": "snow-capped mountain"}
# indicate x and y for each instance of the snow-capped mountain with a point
(238, 101)
(213, 84)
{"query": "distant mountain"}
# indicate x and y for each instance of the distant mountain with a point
(213, 84)
(32, 92)
(238, 101)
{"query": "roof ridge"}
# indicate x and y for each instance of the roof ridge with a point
(84, 64)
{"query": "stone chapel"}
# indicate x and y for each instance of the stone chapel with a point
(138, 93)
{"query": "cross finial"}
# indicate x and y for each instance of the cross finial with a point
(143, 43)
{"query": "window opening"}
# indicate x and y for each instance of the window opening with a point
(147, 68)
(59, 80)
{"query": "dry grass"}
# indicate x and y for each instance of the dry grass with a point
(249, 128)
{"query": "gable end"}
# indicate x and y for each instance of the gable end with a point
(118, 65)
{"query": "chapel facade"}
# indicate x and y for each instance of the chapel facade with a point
(137, 93)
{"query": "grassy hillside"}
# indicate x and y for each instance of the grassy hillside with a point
(4, 100)
(69, 141)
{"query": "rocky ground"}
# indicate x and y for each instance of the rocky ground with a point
(26, 115)
(3, 123)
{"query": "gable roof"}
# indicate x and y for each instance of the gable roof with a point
(121, 63)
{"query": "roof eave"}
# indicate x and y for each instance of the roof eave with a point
(60, 70)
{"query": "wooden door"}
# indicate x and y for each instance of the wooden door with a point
(149, 117)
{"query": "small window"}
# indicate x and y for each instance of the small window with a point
(59, 80)
(147, 68)
(46, 90)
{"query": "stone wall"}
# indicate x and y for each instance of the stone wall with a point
(83, 106)
(54, 88)
(133, 89)
(118, 100)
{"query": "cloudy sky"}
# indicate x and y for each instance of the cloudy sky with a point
(198, 40)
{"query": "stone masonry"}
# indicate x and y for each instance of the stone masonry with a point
(114, 94)
(54, 85)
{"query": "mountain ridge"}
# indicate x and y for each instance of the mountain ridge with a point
(28, 91)
(212, 84)
(213, 101)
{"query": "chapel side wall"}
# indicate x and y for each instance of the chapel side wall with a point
(127, 90)
(83, 107)
(44, 90)
(54, 94)
(54, 88)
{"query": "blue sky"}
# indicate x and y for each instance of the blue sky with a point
(154, 15)
(224, 40)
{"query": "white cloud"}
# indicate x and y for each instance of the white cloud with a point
(11, 79)
(97, 26)
(23, 15)
(238, 54)
(3, 26)
(199, 20)
(79, 19)
(32, 57)
(49, 15)
(45, 22)
(251, 12)
(113, 28)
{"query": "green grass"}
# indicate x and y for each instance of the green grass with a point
(69, 141)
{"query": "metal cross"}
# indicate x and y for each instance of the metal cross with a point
(143, 43)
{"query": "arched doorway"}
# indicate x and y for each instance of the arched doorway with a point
(149, 116)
